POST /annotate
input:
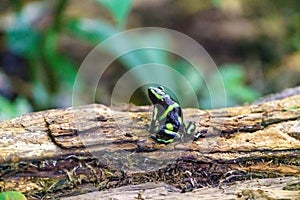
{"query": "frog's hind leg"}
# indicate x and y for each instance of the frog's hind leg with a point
(166, 136)
(171, 134)
(162, 138)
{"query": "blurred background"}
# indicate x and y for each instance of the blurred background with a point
(255, 44)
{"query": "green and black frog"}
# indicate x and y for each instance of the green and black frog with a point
(167, 112)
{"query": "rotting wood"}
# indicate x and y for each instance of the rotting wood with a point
(277, 188)
(87, 148)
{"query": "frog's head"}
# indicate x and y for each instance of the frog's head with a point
(156, 94)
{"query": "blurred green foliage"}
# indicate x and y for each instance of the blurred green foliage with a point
(52, 73)
(236, 88)
(12, 109)
(118, 9)
(12, 195)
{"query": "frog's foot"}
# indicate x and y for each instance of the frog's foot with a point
(200, 134)
(162, 140)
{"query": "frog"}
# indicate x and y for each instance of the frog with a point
(168, 113)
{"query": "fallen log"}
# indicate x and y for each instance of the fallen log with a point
(274, 188)
(64, 152)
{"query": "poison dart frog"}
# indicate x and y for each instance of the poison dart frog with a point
(168, 114)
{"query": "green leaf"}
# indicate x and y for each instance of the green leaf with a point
(10, 109)
(6, 110)
(237, 92)
(40, 95)
(119, 10)
(234, 81)
(216, 3)
(59, 63)
(12, 195)
(144, 55)
(89, 30)
(21, 38)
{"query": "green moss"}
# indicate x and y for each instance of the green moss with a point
(290, 108)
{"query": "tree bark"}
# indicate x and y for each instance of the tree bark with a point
(77, 150)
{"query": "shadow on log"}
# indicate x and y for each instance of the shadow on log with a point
(65, 152)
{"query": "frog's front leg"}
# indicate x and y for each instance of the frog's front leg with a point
(153, 127)
(189, 127)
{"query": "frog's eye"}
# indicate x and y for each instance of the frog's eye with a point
(161, 88)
